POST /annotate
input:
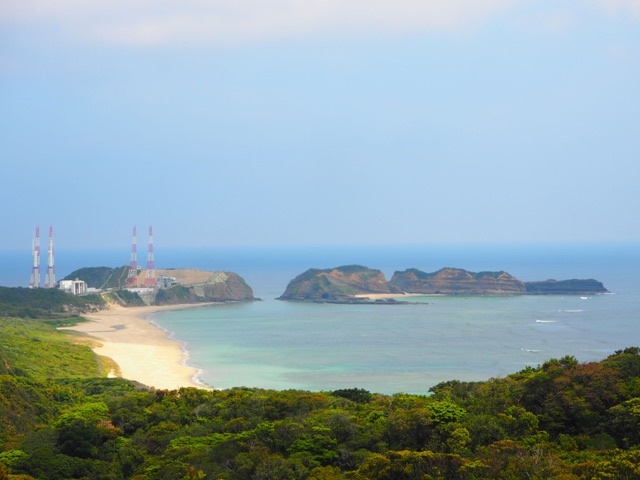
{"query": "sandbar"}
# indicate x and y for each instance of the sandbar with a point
(382, 296)
(143, 351)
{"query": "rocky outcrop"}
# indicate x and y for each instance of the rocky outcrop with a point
(349, 283)
(337, 285)
(566, 287)
(455, 281)
(193, 286)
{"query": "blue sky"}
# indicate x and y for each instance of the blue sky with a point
(320, 123)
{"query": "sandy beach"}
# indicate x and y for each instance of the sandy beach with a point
(383, 296)
(142, 350)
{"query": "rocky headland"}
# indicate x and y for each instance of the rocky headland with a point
(351, 284)
(176, 286)
(338, 285)
(194, 286)
(455, 281)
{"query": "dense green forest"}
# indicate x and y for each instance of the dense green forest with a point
(60, 418)
(51, 303)
(45, 303)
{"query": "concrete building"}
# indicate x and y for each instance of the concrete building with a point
(166, 282)
(76, 287)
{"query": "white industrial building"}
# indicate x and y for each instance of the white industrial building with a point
(76, 287)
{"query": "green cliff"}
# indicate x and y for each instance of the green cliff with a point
(339, 285)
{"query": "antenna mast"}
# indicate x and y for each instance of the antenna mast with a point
(50, 279)
(150, 276)
(132, 277)
(35, 252)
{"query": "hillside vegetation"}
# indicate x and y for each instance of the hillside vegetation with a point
(101, 277)
(337, 285)
(45, 303)
(564, 420)
(36, 349)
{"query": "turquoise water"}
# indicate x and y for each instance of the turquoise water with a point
(409, 348)
(387, 349)
(384, 348)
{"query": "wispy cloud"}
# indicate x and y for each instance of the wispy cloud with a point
(559, 20)
(163, 22)
(157, 22)
(623, 7)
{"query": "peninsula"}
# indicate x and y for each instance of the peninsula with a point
(173, 286)
(120, 327)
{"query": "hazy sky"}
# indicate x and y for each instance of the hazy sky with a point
(271, 122)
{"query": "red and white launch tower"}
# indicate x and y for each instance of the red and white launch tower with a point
(150, 274)
(35, 252)
(50, 279)
(132, 277)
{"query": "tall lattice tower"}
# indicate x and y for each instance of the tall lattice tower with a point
(132, 277)
(50, 279)
(35, 252)
(150, 274)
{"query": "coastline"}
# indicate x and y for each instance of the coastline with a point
(383, 296)
(143, 351)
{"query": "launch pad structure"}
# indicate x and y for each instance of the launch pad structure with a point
(150, 280)
(50, 276)
(35, 253)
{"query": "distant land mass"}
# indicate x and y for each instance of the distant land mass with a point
(195, 286)
(565, 287)
(184, 286)
(338, 285)
(455, 281)
(348, 284)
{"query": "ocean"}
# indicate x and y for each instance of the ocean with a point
(388, 348)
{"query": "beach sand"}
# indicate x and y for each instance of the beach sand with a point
(383, 296)
(143, 351)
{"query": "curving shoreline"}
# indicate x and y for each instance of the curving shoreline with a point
(144, 351)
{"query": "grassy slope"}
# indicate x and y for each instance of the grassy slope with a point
(36, 349)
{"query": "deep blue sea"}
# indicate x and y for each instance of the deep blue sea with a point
(388, 348)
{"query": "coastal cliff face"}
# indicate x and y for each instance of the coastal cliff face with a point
(194, 286)
(187, 286)
(342, 284)
(337, 284)
(455, 281)
(566, 287)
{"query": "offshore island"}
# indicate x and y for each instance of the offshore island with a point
(356, 284)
